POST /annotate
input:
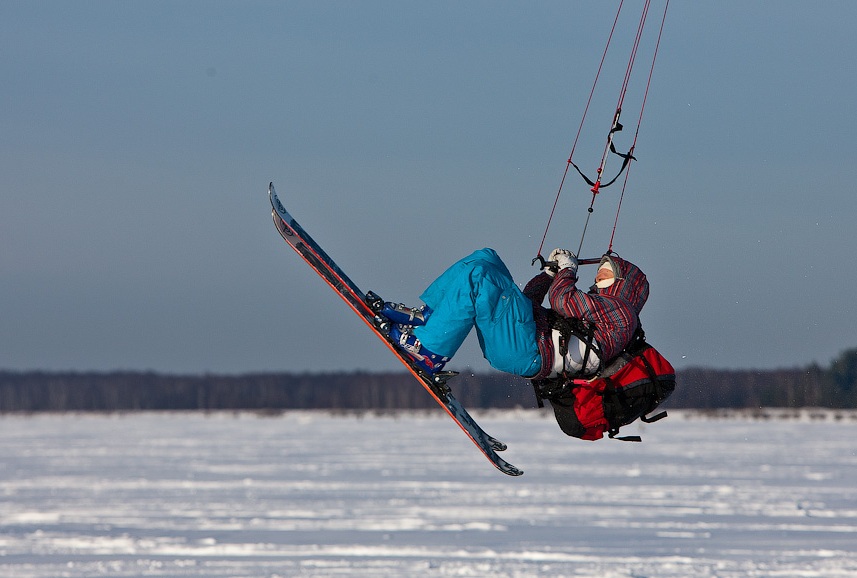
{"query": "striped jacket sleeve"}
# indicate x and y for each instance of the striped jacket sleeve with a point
(614, 319)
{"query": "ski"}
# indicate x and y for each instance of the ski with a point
(365, 305)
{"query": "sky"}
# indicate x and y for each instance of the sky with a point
(138, 141)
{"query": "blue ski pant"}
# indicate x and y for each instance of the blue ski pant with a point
(478, 291)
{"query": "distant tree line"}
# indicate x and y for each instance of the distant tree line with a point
(130, 391)
(813, 386)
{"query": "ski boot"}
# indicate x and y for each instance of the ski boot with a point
(430, 363)
(398, 312)
(404, 315)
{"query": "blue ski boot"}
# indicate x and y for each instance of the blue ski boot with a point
(404, 315)
(429, 362)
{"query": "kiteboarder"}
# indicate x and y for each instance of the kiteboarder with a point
(579, 332)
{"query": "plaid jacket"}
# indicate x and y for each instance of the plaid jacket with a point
(613, 311)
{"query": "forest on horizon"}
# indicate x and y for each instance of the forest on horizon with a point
(36, 391)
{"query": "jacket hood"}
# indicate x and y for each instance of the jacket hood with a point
(631, 284)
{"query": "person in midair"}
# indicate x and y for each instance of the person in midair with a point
(516, 333)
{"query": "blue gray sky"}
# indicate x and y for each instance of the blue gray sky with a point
(138, 140)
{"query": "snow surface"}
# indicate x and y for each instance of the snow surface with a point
(314, 494)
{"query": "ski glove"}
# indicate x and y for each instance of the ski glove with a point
(561, 259)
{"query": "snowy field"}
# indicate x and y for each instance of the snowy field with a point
(311, 494)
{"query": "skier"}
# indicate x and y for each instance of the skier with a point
(576, 336)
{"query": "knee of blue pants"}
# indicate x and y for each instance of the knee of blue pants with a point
(479, 290)
(453, 299)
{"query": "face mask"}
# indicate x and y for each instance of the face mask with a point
(604, 283)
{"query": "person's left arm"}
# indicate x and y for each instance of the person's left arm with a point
(537, 288)
(564, 296)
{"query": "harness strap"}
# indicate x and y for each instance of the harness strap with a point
(551, 388)
(612, 435)
(654, 418)
(580, 329)
(539, 399)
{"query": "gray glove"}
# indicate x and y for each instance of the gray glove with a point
(563, 259)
